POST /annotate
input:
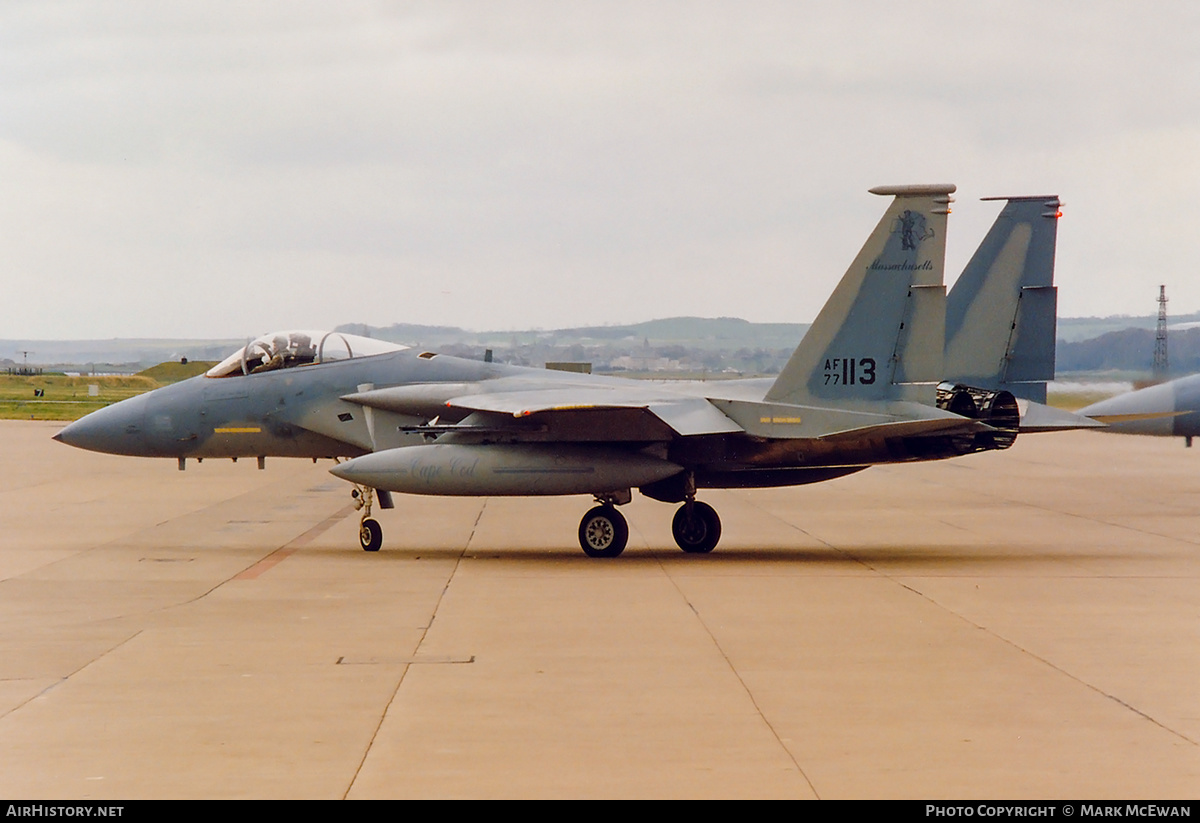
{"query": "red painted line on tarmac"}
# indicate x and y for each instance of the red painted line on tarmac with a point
(288, 549)
(271, 560)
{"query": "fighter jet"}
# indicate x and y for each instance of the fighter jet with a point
(1170, 409)
(860, 389)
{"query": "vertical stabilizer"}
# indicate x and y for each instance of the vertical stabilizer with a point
(881, 334)
(1001, 313)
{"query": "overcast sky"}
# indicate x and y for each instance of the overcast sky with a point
(214, 169)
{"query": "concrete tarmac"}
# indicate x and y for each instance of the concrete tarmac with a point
(1022, 624)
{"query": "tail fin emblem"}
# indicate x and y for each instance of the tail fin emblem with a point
(911, 227)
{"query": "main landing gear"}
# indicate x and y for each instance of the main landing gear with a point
(696, 527)
(603, 531)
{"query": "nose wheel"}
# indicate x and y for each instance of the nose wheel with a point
(370, 533)
(696, 527)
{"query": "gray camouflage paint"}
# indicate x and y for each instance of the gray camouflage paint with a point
(857, 391)
(1001, 313)
(1170, 409)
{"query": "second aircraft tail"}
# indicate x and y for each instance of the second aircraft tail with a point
(1000, 315)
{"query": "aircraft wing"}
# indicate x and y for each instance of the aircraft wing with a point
(522, 403)
(685, 415)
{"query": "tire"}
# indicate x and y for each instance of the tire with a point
(603, 532)
(370, 535)
(700, 534)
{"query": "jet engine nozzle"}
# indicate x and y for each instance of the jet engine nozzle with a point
(996, 408)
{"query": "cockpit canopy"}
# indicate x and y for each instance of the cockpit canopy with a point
(289, 349)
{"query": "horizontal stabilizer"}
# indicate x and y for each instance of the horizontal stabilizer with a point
(1038, 417)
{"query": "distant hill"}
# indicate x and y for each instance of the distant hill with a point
(128, 354)
(707, 331)
(1130, 350)
(674, 344)
(700, 332)
(1073, 329)
(693, 346)
(172, 371)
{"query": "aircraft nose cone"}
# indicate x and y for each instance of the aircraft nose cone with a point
(115, 429)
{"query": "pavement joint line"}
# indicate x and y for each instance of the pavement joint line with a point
(474, 526)
(1111, 605)
(1017, 502)
(1042, 660)
(416, 652)
(1000, 637)
(843, 552)
(124, 539)
(992, 632)
(292, 546)
(69, 675)
(733, 669)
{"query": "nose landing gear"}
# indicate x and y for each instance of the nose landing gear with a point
(370, 533)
